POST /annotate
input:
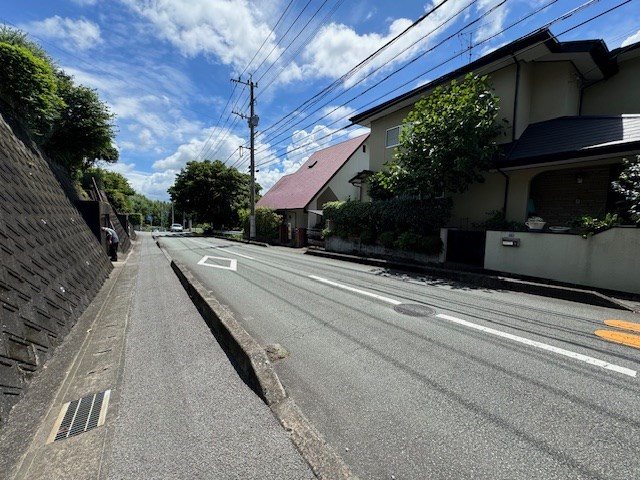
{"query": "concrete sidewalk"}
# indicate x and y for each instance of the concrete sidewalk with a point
(178, 408)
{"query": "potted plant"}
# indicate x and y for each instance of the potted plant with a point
(535, 223)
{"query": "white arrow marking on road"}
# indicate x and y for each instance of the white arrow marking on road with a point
(532, 343)
(233, 263)
(225, 249)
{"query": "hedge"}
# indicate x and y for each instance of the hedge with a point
(267, 224)
(404, 223)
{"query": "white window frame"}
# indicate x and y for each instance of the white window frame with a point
(386, 136)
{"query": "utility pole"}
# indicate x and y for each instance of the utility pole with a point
(173, 220)
(252, 120)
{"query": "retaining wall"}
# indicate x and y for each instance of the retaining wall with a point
(51, 264)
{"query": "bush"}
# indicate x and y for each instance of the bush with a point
(267, 223)
(387, 239)
(405, 223)
(28, 84)
(590, 225)
(414, 242)
(497, 221)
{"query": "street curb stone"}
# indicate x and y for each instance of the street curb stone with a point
(253, 365)
(497, 282)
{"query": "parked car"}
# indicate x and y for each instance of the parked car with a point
(176, 227)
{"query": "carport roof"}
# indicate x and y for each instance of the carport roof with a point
(298, 189)
(573, 137)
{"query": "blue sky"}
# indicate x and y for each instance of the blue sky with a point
(164, 66)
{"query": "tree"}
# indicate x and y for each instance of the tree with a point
(211, 192)
(83, 133)
(28, 85)
(447, 140)
(115, 185)
(629, 186)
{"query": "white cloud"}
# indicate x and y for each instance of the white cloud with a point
(84, 3)
(153, 185)
(631, 39)
(78, 34)
(339, 114)
(232, 30)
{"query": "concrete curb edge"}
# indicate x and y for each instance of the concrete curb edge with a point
(252, 363)
(251, 242)
(487, 281)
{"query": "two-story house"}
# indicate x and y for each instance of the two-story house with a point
(573, 113)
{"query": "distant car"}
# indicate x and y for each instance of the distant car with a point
(175, 227)
(156, 230)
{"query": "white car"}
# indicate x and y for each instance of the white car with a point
(175, 227)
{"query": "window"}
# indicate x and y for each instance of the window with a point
(393, 137)
(364, 148)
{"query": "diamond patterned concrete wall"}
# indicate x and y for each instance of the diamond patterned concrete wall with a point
(51, 265)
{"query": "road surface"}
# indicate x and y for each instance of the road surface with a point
(482, 384)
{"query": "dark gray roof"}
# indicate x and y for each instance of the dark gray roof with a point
(572, 137)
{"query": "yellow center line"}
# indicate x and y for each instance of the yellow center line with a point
(633, 327)
(623, 338)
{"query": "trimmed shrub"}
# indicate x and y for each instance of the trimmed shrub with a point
(267, 224)
(405, 223)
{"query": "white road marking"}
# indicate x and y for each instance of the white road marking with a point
(352, 289)
(233, 263)
(532, 343)
(543, 346)
(221, 248)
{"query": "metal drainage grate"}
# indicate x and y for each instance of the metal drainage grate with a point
(414, 310)
(80, 416)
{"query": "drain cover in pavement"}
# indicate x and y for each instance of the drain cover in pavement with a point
(414, 310)
(80, 416)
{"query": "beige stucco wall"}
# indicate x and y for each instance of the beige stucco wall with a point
(473, 205)
(339, 184)
(555, 91)
(607, 260)
(296, 218)
(619, 94)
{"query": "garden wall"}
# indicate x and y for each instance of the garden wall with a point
(339, 245)
(608, 260)
(51, 264)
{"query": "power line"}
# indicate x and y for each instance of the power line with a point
(282, 37)
(294, 39)
(271, 31)
(303, 44)
(556, 20)
(394, 72)
(354, 69)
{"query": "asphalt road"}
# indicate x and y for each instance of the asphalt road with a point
(488, 385)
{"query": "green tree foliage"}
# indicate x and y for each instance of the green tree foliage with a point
(159, 211)
(115, 185)
(28, 85)
(447, 140)
(211, 192)
(628, 185)
(267, 224)
(71, 123)
(83, 132)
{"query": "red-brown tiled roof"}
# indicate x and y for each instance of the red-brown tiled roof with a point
(296, 190)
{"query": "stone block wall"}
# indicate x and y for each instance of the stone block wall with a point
(51, 264)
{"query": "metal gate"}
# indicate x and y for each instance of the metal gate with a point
(466, 246)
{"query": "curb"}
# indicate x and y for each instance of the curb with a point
(251, 362)
(588, 297)
(251, 242)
